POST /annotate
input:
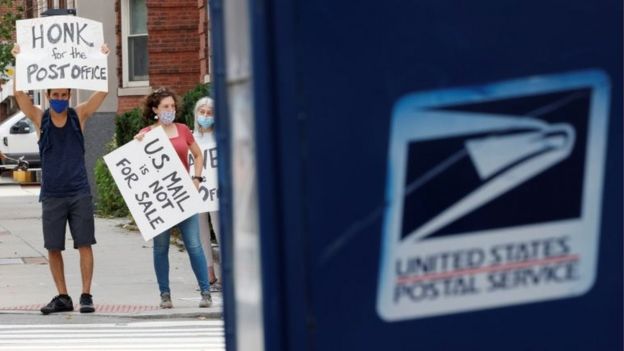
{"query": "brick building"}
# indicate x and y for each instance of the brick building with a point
(160, 43)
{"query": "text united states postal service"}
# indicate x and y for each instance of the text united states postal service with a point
(154, 183)
(494, 195)
(60, 52)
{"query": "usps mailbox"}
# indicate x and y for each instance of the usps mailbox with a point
(425, 175)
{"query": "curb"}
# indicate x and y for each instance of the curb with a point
(156, 314)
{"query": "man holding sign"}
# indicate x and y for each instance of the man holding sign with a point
(65, 193)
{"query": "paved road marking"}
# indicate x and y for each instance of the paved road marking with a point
(169, 335)
(98, 308)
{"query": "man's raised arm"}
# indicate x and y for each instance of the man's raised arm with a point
(87, 108)
(23, 100)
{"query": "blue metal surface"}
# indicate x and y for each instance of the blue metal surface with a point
(222, 125)
(326, 77)
(273, 266)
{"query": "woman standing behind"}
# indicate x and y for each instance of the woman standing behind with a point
(204, 135)
(160, 106)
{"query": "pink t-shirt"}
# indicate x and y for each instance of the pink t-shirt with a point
(180, 143)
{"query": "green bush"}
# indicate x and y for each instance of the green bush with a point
(110, 202)
(109, 199)
(127, 125)
(188, 102)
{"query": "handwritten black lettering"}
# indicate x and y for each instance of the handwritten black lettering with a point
(55, 33)
(213, 157)
(59, 33)
(80, 37)
(126, 170)
(69, 31)
(161, 194)
(208, 194)
(54, 71)
(178, 195)
(37, 36)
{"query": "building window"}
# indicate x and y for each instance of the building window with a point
(29, 11)
(134, 45)
(57, 4)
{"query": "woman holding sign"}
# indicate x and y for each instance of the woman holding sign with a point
(204, 135)
(160, 108)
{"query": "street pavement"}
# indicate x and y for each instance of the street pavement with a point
(147, 335)
(124, 282)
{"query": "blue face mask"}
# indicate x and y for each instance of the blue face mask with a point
(167, 117)
(59, 105)
(205, 121)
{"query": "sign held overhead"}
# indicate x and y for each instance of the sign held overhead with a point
(61, 52)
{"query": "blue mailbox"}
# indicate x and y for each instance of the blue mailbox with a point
(421, 175)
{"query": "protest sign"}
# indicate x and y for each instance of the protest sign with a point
(60, 52)
(208, 190)
(153, 182)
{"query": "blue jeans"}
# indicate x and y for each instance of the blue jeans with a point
(190, 235)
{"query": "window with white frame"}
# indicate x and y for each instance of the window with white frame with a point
(57, 4)
(134, 43)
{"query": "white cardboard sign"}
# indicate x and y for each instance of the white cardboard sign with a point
(208, 190)
(494, 195)
(157, 189)
(60, 52)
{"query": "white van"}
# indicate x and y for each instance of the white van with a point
(18, 137)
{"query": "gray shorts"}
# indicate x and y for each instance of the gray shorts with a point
(58, 211)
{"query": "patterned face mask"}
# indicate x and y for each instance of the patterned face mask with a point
(167, 117)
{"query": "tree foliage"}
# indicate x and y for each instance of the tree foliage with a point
(128, 124)
(11, 12)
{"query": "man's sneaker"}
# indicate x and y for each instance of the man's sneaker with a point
(86, 303)
(165, 300)
(60, 303)
(206, 299)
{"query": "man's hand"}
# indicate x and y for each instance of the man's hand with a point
(16, 50)
(104, 49)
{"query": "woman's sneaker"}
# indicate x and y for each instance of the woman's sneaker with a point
(216, 286)
(60, 303)
(86, 303)
(165, 300)
(206, 299)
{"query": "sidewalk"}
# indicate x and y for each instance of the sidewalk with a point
(124, 282)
